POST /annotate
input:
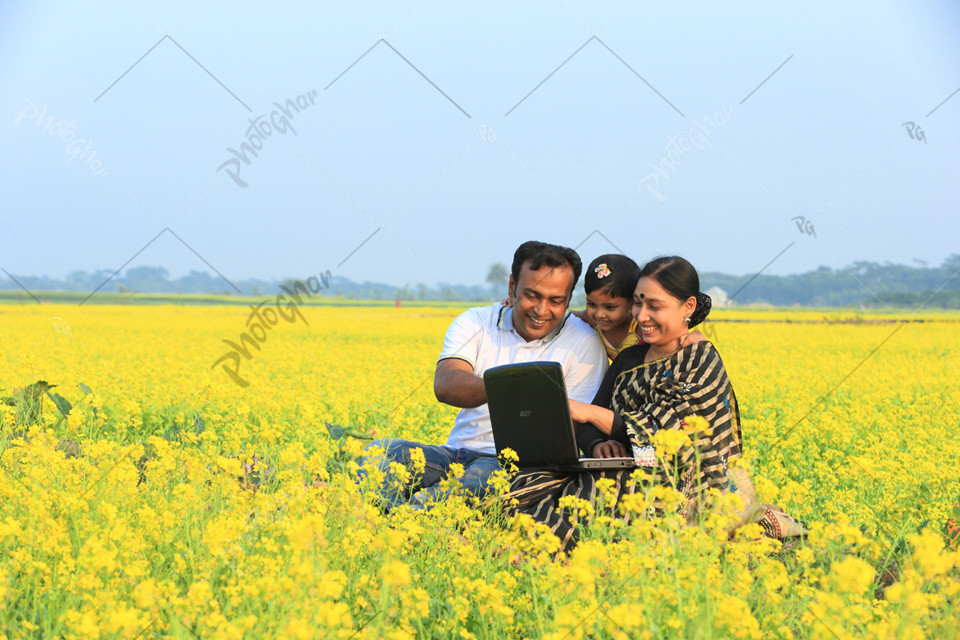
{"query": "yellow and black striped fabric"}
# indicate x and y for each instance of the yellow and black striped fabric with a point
(647, 398)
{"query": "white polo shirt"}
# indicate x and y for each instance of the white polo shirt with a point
(485, 337)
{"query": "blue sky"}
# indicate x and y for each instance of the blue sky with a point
(439, 135)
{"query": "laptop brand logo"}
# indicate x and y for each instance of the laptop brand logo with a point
(525, 413)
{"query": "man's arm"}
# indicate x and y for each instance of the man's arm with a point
(584, 371)
(455, 384)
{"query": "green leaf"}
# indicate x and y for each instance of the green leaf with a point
(366, 435)
(37, 389)
(63, 405)
(172, 432)
(87, 390)
(198, 426)
(336, 431)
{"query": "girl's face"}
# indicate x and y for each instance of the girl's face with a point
(662, 318)
(605, 310)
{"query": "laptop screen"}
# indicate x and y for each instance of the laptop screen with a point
(530, 414)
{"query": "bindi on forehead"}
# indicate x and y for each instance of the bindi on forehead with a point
(643, 296)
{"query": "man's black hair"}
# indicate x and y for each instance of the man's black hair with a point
(551, 255)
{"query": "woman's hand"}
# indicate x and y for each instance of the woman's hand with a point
(610, 449)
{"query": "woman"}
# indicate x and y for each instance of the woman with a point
(668, 383)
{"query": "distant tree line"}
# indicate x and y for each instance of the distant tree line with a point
(157, 280)
(866, 284)
(862, 284)
(927, 299)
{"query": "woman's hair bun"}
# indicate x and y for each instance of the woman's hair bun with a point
(702, 311)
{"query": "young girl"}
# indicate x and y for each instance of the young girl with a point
(609, 283)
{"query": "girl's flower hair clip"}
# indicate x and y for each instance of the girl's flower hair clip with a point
(602, 270)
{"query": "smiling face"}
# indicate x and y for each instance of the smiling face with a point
(540, 299)
(607, 311)
(661, 316)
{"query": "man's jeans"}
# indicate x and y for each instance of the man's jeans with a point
(426, 487)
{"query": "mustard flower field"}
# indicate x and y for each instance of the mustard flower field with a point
(152, 485)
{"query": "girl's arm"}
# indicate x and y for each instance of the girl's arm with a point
(600, 417)
(590, 436)
(582, 314)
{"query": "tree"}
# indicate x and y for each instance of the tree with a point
(79, 280)
(147, 279)
(198, 282)
(498, 277)
(403, 294)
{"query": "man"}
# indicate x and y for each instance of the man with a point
(536, 327)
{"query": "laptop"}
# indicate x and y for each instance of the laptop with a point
(530, 414)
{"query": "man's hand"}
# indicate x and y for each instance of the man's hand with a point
(455, 384)
(610, 449)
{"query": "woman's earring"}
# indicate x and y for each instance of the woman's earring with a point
(687, 320)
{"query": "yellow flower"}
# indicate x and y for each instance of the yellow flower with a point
(668, 442)
(929, 555)
(395, 574)
(332, 584)
(400, 473)
(508, 459)
(694, 425)
(418, 460)
(851, 575)
(734, 614)
(577, 506)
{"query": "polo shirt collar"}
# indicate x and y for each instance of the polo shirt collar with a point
(505, 323)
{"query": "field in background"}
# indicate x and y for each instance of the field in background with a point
(20, 297)
(735, 312)
(163, 498)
